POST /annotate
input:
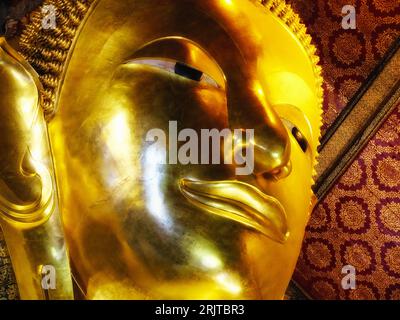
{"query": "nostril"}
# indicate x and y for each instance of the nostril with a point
(284, 171)
(279, 173)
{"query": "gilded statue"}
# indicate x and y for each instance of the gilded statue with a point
(98, 179)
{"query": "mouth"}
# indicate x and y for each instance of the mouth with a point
(239, 202)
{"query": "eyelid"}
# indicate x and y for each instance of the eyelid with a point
(177, 68)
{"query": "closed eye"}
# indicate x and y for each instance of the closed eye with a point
(179, 68)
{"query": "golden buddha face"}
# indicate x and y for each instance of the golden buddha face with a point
(140, 228)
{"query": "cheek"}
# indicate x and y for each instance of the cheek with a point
(294, 191)
(213, 104)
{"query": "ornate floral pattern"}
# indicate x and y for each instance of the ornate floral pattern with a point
(348, 56)
(359, 221)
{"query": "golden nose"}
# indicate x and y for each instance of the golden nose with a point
(271, 143)
(271, 152)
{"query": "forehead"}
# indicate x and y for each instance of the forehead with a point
(234, 33)
(242, 36)
(115, 30)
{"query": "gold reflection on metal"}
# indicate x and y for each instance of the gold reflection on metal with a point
(29, 214)
(137, 228)
(241, 203)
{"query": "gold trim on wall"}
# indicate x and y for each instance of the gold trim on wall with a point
(360, 124)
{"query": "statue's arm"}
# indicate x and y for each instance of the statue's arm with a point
(29, 210)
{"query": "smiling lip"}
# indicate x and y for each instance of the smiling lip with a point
(239, 202)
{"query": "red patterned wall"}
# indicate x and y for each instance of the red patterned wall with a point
(348, 56)
(358, 224)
